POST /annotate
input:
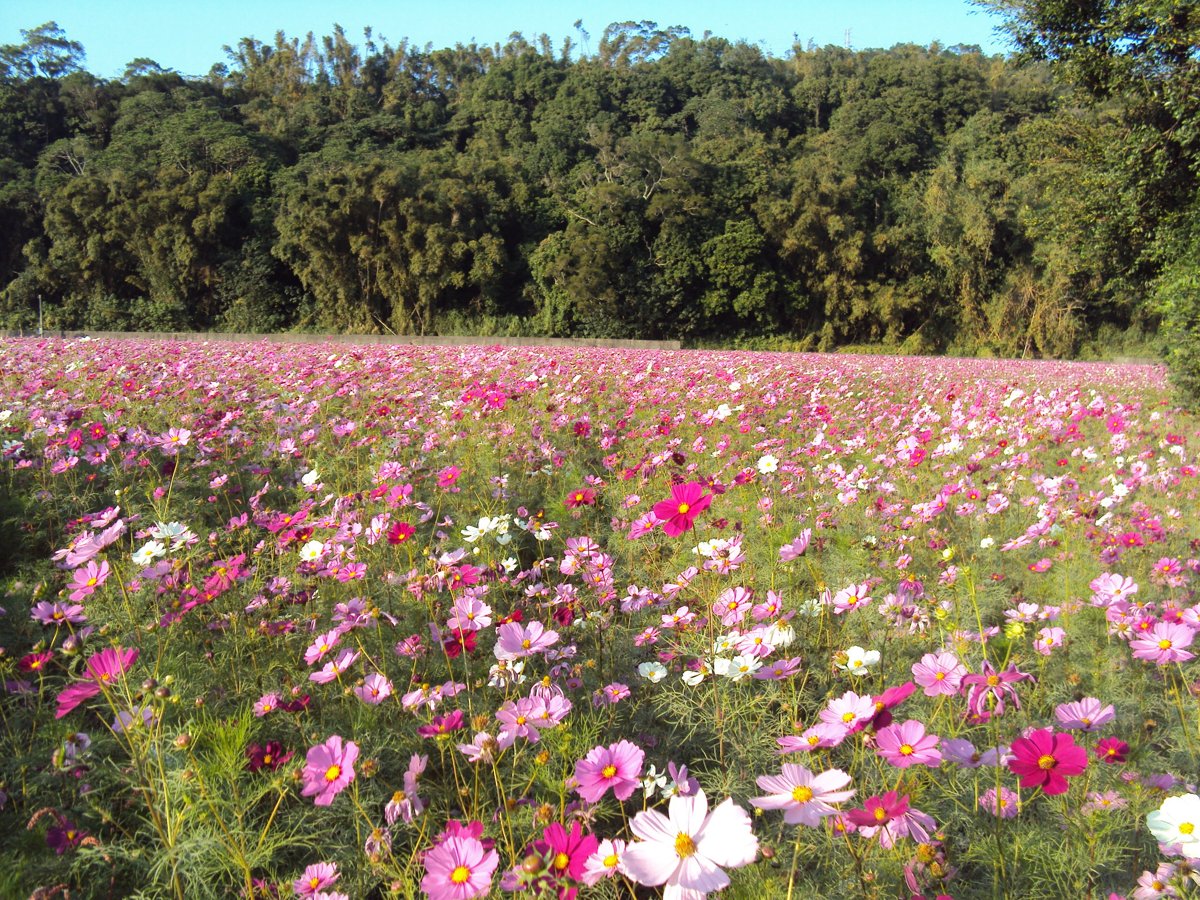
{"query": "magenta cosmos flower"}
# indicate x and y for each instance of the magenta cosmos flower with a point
(1045, 759)
(685, 849)
(907, 745)
(1164, 644)
(805, 798)
(686, 503)
(102, 669)
(459, 868)
(329, 768)
(618, 766)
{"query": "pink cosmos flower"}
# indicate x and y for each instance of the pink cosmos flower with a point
(87, 578)
(1048, 639)
(459, 868)
(939, 673)
(988, 691)
(374, 689)
(102, 668)
(907, 745)
(45, 613)
(1164, 644)
(470, 614)
(1003, 805)
(604, 862)
(679, 513)
(1045, 759)
(316, 877)
(849, 710)
(796, 548)
(618, 766)
(515, 640)
(685, 849)
(1084, 715)
(818, 737)
(331, 670)
(849, 599)
(804, 797)
(329, 769)
(322, 645)
(732, 605)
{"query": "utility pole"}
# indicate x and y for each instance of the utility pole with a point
(39, 315)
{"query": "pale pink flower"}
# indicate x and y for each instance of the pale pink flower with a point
(515, 640)
(805, 798)
(686, 849)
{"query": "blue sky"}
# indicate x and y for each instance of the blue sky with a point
(189, 36)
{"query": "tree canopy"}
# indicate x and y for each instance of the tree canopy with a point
(660, 185)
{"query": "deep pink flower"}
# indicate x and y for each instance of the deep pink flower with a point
(889, 700)
(566, 851)
(1112, 750)
(679, 513)
(1045, 759)
(879, 810)
(907, 745)
(805, 798)
(459, 868)
(443, 726)
(618, 766)
(329, 769)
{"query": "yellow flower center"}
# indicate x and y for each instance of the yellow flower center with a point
(526, 644)
(561, 861)
(940, 676)
(1046, 762)
(847, 717)
(611, 861)
(880, 814)
(333, 773)
(460, 875)
(684, 845)
(1186, 828)
(314, 882)
(802, 793)
(521, 720)
(609, 771)
(1164, 644)
(993, 680)
(906, 750)
(683, 508)
(267, 757)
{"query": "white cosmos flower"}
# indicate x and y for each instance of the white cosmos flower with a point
(653, 672)
(768, 464)
(148, 552)
(310, 478)
(859, 661)
(1177, 821)
(311, 551)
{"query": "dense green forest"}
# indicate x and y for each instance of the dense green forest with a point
(647, 183)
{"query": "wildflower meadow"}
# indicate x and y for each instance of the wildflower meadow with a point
(328, 622)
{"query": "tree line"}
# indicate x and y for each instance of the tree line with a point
(658, 185)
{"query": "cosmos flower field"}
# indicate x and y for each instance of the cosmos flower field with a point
(331, 622)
